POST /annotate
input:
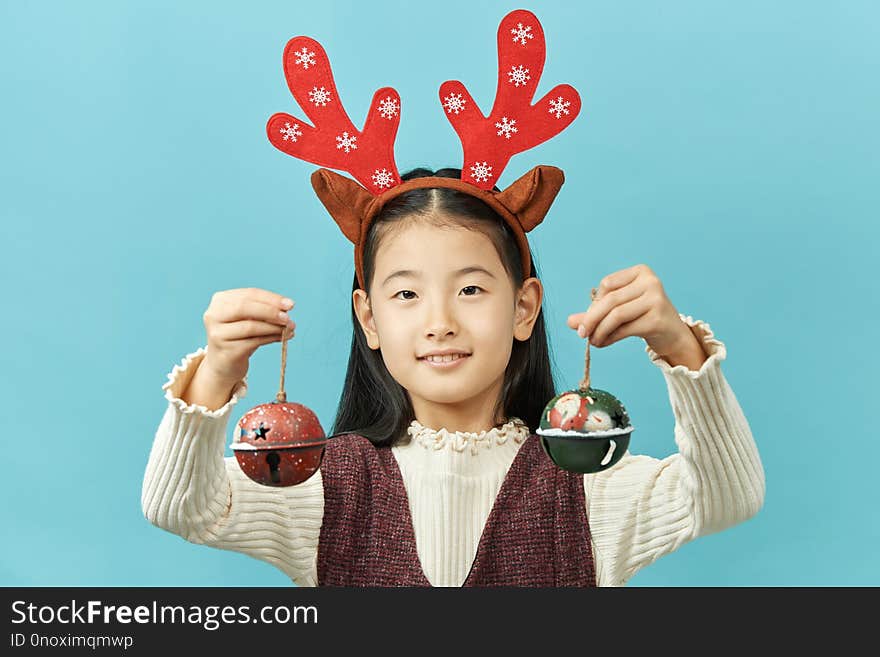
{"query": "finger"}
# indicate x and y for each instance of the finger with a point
(577, 319)
(586, 322)
(252, 344)
(637, 327)
(259, 342)
(574, 320)
(248, 328)
(248, 308)
(618, 279)
(265, 296)
(619, 316)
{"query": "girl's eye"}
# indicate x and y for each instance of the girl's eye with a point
(473, 290)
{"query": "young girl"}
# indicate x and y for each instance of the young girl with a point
(434, 475)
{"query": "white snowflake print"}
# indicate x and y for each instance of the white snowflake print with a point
(291, 132)
(454, 103)
(521, 33)
(389, 108)
(506, 127)
(481, 171)
(382, 178)
(305, 57)
(319, 96)
(346, 142)
(518, 75)
(559, 106)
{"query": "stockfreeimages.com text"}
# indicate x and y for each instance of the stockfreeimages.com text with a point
(210, 617)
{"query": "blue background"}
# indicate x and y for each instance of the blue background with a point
(732, 147)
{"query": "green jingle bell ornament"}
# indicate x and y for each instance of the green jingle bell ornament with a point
(585, 430)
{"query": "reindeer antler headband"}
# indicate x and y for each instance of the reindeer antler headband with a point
(514, 125)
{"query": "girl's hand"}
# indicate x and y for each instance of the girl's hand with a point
(633, 302)
(237, 323)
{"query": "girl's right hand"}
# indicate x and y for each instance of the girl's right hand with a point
(237, 323)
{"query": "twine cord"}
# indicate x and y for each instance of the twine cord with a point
(585, 382)
(285, 336)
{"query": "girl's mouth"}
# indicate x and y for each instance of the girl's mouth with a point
(444, 362)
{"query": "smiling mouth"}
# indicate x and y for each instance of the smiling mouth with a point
(449, 358)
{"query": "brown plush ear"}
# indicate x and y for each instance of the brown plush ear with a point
(345, 200)
(530, 197)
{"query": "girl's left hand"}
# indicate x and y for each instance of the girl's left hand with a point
(633, 302)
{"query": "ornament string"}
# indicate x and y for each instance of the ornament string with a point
(285, 336)
(585, 382)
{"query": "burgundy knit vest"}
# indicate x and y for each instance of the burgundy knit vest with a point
(537, 533)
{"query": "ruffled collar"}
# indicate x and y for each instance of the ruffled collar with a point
(439, 439)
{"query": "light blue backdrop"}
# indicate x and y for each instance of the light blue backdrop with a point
(733, 147)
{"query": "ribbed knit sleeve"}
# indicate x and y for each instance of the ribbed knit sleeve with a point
(190, 489)
(643, 508)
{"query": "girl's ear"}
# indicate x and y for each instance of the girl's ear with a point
(364, 313)
(528, 305)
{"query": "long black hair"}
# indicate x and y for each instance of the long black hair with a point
(373, 404)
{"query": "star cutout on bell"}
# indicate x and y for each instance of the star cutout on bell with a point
(261, 432)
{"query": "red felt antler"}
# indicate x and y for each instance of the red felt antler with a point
(514, 124)
(333, 142)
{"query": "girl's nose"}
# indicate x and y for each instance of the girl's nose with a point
(440, 329)
(440, 322)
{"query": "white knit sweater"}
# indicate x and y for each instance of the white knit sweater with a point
(639, 510)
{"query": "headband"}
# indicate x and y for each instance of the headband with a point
(513, 126)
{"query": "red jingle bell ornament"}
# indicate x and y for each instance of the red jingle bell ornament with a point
(280, 443)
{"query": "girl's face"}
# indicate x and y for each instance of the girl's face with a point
(437, 289)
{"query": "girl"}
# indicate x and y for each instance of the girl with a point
(434, 476)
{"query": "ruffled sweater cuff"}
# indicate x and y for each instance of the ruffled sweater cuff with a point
(714, 349)
(181, 375)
